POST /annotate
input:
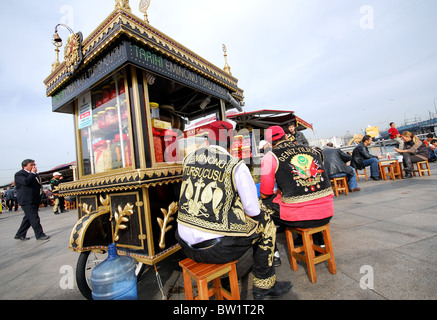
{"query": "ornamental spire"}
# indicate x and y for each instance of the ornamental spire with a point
(227, 68)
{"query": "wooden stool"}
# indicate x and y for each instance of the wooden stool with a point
(421, 169)
(397, 170)
(203, 273)
(339, 185)
(361, 175)
(391, 171)
(309, 249)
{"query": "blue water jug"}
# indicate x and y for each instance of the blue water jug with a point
(114, 278)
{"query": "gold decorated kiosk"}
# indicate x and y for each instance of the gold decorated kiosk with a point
(131, 90)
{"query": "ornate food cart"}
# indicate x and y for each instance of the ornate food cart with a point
(131, 90)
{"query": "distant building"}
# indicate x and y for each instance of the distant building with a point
(321, 143)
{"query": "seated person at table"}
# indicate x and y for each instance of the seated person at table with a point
(430, 146)
(335, 165)
(304, 198)
(414, 151)
(433, 148)
(362, 158)
(219, 216)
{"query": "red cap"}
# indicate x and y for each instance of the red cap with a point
(222, 130)
(274, 133)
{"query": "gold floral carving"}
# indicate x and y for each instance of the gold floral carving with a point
(72, 52)
(121, 217)
(172, 208)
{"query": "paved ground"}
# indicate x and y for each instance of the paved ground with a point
(384, 237)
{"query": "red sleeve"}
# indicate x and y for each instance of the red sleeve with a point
(268, 170)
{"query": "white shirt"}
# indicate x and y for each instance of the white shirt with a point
(249, 197)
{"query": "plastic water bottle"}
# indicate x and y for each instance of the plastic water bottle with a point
(114, 278)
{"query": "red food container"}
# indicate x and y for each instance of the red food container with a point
(121, 89)
(113, 91)
(101, 120)
(98, 98)
(106, 94)
(157, 144)
(171, 149)
(245, 152)
(111, 115)
(117, 156)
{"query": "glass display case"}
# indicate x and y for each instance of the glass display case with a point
(104, 131)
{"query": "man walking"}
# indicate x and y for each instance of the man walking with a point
(28, 186)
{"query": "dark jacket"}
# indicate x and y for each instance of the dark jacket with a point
(28, 188)
(418, 149)
(360, 153)
(298, 138)
(335, 161)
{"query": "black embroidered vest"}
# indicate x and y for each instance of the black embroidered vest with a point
(300, 174)
(208, 200)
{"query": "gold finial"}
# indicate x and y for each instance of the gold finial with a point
(56, 63)
(227, 68)
(122, 5)
(144, 5)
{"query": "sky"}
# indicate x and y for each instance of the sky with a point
(339, 64)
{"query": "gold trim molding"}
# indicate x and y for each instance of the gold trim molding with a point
(143, 32)
(129, 180)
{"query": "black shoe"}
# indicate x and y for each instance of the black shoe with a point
(375, 178)
(277, 261)
(44, 237)
(408, 175)
(278, 290)
(21, 238)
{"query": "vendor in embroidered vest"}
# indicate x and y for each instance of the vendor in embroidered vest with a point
(219, 216)
(304, 197)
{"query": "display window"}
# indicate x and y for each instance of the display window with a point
(103, 123)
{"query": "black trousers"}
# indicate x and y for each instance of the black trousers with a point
(12, 203)
(30, 219)
(231, 248)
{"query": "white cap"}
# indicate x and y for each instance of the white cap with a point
(57, 174)
(262, 143)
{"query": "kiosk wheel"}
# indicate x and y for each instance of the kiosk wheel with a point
(86, 263)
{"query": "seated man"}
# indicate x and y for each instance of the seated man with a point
(335, 165)
(219, 217)
(433, 148)
(430, 146)
(304, 198)
(361, 158)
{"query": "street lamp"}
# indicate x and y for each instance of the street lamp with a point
(57, 42)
